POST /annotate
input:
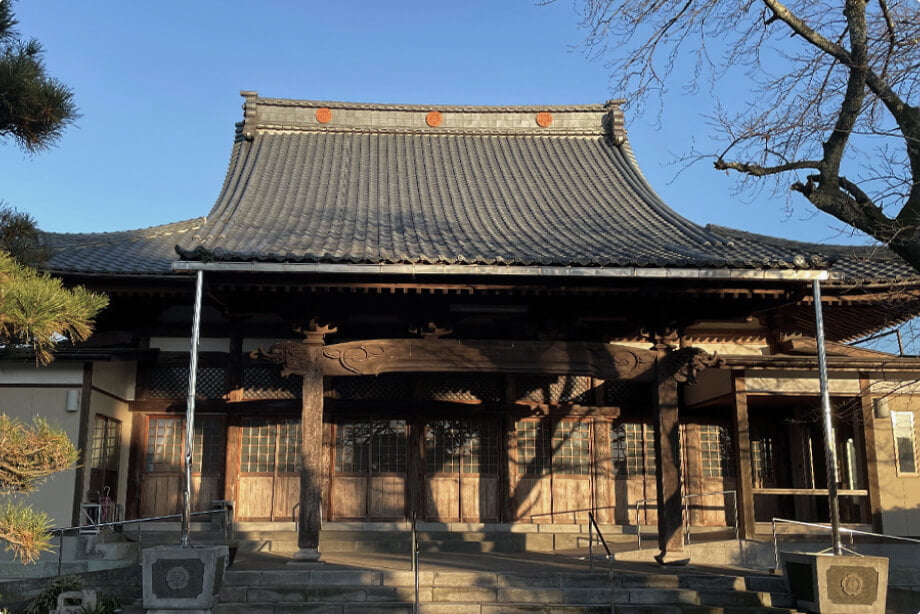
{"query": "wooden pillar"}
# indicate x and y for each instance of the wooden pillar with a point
(873, 483)
(311, 468)
(744, 483)
(667, 450)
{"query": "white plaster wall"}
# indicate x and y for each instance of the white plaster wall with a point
(733, 349)
(899, 493)
(116, 378)
(711, 384)
(55, 497)
(798, 382)
(54, 373)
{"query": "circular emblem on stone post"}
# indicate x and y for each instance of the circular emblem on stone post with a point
(177, 578)
(324, 115)
(851, 584)
(544, 120)
(434, 119)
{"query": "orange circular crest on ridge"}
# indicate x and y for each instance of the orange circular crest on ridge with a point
(434, 119)
(544, 120)
(324, 115)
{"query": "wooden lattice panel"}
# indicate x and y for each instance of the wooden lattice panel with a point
(553, 389)
(372, 388)
(266, 382)
(626, 392)
(460, 387)
(172, 382)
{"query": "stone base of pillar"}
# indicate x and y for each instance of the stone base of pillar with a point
(306, 557)
(672, 558)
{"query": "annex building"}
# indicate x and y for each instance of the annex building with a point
(478, 315)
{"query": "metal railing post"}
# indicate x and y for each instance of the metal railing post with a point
(830, 449)
(775, 547)
(184, 540)
(414, 558)
(638, 529)
(590, 543)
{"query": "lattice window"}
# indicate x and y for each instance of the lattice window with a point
(265, 382)
(716, 451)
(370, 446)
(534, 447)
(289, 439)
(627, 392)
(164, 444)
(460, 387)
(208, 453)
(905, 449)
(269, 445)
(551, 389)
(763, 455)
(104, 454)
(106, 443)
(632, 449)
(172, 382)
(572, 448)
(467, 446)
(258, 446)
(370, 387)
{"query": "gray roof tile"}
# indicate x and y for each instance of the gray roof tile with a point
(147, 251)
(488, 185)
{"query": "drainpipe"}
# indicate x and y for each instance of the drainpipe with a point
(190, 413)
(830, 450)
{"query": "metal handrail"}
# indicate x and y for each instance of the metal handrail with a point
(827, 527)
(593, 523)
(644, 502)
(574, 511)
(61, 531)
(734, 495)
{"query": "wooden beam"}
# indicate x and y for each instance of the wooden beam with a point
(871, 439)
(373, 357)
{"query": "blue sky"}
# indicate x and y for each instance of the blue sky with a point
(158, 86)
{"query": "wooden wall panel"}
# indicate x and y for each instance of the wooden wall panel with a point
(479, 498)
(571, 493)
(387, 497)
(255, 497)
(205, 489)
(286, 497)
(442, 498)
(533, 496)
(160, 495)
(349, 497)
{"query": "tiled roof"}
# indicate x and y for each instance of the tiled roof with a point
(348, 183)
(323, 182)
(148, 251)
(849, 263)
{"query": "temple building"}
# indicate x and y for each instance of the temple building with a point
(475, 315)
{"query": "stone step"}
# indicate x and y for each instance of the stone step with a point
(621, 580)
(349, 590)
(483, 608)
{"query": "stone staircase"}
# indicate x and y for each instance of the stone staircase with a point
(335, 591)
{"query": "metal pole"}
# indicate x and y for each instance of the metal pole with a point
(190, 414)
(830, 450)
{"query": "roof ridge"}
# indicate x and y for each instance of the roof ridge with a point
(266, 115)
(385, 106)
